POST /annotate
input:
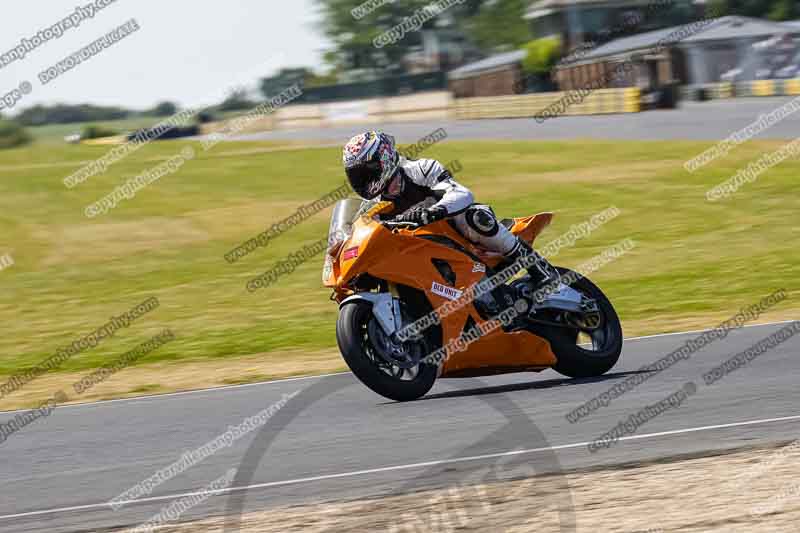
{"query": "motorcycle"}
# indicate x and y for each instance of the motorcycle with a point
(421, 303)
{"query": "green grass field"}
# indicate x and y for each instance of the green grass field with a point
(695, 261)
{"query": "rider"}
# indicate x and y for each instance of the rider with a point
(375, 169)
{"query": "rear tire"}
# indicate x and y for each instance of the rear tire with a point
(577, 362)
(352, 336)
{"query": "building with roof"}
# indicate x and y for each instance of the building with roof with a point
(598, 21)
(495, 75)
(694, 54)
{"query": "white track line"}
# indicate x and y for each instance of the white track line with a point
(184, 393)
(709, 329)
(219, 492)
(319, 376)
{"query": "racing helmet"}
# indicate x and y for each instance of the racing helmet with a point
(370, 161)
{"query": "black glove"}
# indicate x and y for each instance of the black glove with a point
(423, 216)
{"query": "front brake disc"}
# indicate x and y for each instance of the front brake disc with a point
(403, 355)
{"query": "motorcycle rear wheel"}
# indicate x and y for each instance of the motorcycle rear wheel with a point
(353, 334)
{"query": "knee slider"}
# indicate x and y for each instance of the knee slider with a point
(481, 219)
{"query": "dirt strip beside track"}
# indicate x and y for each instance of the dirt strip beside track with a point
(753, 490)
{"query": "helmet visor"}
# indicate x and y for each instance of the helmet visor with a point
(365, 179)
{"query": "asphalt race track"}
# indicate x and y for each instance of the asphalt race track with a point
(338, 440)
(694, 121)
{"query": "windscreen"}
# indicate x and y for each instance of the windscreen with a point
(344, 214)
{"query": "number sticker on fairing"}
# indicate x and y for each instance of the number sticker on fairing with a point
(447, 292)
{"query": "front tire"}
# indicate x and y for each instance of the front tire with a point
(359, 352)
(575, 361)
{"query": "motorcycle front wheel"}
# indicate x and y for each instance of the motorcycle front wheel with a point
(584, 351)
(363, 345)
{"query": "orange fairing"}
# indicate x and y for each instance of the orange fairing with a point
(337, 267)
(529, 228)
(519, 350)
(403, 256)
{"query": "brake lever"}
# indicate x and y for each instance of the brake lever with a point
(397, 224)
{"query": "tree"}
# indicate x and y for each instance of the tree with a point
(92, 131)
(542, 55)
(500, 25)
(65, 114)
(319, 80)
(236, 101)
(773, 9)
(205, 116)
(538, 63)
(302, 76)
(164, 109)
(784, 10)
(353, 38)
(284, 79)
(12, 134)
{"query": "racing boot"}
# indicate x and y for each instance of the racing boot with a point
(541, 272)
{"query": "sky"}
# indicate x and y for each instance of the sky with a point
(187, 51)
